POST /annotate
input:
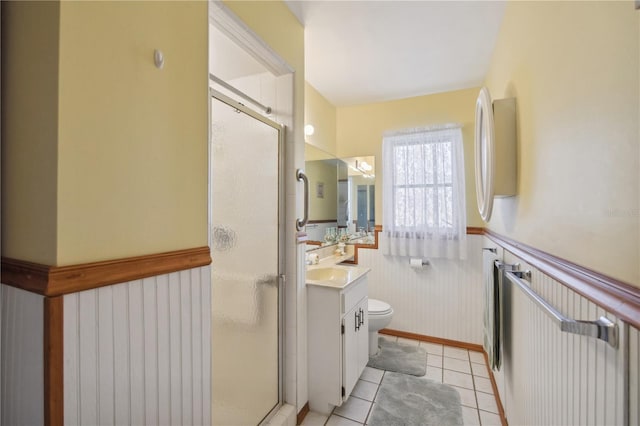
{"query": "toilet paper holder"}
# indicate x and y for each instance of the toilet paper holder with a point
(418, 262)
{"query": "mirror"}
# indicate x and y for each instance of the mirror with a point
(341, 198)
(361, 178)
(484, 154)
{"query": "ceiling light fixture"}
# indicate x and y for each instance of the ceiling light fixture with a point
(363, 166)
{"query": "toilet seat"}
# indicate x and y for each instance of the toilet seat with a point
(378, 307)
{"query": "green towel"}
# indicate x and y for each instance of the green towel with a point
(497, 312)
(492, 312)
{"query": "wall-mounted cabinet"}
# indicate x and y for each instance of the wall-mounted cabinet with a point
(504, 121)
(338, 342)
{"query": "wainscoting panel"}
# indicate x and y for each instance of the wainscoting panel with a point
(444, 299)
(140, 352)
(22, 369)
(552, 377)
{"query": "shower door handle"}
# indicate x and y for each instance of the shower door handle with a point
(301, 223)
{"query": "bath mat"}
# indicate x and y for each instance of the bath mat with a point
(408, 400)
(400, 358)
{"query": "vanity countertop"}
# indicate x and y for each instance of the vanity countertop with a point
(335, 276)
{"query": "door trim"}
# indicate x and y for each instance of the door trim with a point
(233, 27)
(224, 19)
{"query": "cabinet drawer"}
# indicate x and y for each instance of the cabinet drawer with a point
(354, 294)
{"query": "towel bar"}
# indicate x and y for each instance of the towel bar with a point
(506, 266)
(601, 328)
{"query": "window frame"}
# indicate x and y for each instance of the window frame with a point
(425, 231)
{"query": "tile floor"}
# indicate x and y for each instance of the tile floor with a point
(465, 370)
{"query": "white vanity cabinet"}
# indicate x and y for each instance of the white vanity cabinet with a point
(337, 341)
(355, 338)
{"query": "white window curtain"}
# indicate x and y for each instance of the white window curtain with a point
(424, 212)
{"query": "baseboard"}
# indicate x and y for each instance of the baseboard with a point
(457, 344)
(431, 339)
(303, 413)
(496, 394)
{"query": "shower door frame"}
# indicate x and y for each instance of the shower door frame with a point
(216, 95)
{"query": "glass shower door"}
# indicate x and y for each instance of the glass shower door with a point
(246, 252)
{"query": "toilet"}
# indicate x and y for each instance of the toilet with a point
(380, 314)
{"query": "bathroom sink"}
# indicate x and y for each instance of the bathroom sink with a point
(328, 274)
(334, 276)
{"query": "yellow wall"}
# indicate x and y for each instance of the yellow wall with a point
(322, 116)
(573, 68)
(29, 130)
(132, 138)
(326, 172)
(106, 155)
(360, 129)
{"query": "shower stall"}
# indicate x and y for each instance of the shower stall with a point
(246, 159)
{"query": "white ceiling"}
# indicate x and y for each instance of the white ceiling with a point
(369, 51)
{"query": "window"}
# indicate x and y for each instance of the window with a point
(423, 193)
